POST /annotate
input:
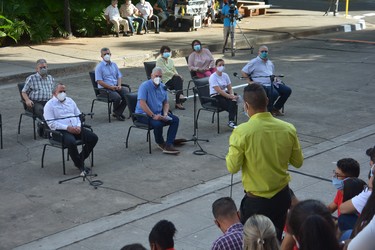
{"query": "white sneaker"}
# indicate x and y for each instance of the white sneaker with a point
(232, 124)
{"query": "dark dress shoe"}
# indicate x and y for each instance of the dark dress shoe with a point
(119, 117)
(126, 34)
(179, 106)
(139, 33)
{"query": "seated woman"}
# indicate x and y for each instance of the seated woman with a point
(161, 236)
(201, 60)
(171, 78)
(221, 89)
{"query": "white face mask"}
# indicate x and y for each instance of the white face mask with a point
(107, 58)
(61, 96)
(220, 68)
(245, 111)
(157, 80)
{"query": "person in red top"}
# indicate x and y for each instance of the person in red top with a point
(345, 168)
(161, 236)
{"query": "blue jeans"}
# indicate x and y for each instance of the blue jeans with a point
(158, 128)
(283, 92)
(139, 20)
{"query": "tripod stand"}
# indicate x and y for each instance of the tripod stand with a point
(195, 138)
(231, 34)
(333, 4)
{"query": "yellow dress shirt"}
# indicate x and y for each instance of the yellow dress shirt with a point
(167, 67)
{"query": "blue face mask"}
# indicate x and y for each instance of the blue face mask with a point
(338, 184)
(166, 54)
(263, 55)
(197, 47)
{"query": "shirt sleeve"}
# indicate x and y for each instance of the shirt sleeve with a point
(360, 200)
(26, 87)
(98, 73)
(296, 158)
(118, 75)
(191, 61)
(212, 60)
(235, 156)
(49, 116)
(365, 239)
(248, 68)
(106, 12)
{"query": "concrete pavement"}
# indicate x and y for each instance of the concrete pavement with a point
(139, 189)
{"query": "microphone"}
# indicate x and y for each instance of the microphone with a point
(235, 74)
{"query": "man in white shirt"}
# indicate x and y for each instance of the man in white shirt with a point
(112, 15)
(62, 114)
(148, 14)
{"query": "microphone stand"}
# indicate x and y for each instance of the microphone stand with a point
(83, 174)
(195, 138)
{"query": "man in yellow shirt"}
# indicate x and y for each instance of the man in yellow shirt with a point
(263, 147)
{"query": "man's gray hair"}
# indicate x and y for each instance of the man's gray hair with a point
(157, 69)
(56, 86)
(41, 61)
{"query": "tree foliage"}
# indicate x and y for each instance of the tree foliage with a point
(37, 21)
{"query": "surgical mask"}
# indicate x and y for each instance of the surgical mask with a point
(157, 80)
(220, 68)
(43, 72)
(338, 184)
(263, 55)
(245, 109)
(107, 58)
(61, 96)
(197, 47)
(166, 54)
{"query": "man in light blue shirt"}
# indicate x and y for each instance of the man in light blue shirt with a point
(153, 102)
(229, 12)
(108, 78)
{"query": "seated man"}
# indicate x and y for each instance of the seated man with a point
(62, 114)
(108, 77)
(228, 220)
(259, 70)
(153, 101)
(161, 8)
(147, 13)
(38, 89)
(112, 15)
(130, 12)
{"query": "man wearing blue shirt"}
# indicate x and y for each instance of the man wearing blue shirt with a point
(153, 101)
(229, 11)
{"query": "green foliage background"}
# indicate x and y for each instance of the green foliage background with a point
(36, 21)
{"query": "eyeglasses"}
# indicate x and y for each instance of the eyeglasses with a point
(264, 51)
(337, 175)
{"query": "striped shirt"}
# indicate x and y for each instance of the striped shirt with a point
(38, 88)
(231, 240)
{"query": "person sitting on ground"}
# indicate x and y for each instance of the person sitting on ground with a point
(108, 78)
(135, 246)
(147, 13)
(357, 203)
(171, 78)
(112, 15)
(161, 236)
(201, 60)
(161, 9)
(259, 70)
(221, 90)
(62, 114)
(312, 227)
(131, 13)
(228, 220)
(153, 101)
(38, 89)
(259, 233)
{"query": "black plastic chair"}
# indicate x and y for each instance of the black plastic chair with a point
(208, 103)
(193, 76)
(27, 112)
(102, 95)
(149, 66)
(53, 141)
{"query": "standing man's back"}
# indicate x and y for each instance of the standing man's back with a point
(263, 147)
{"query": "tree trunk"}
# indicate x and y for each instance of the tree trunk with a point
(68, 27)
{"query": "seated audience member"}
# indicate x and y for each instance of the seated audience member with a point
(201, 60)
(135, 246)
(153, 101)
(228, 220)
(171, 78)
(131, 13)
(345, 168)
(258, 70)
(38, 89)
(356, 204)
(259, 233)
(112, 15)
(365, 239)
(62, 114)
(161, 9)
(221, 90)
(161, 236)
(147, 13)
(109, 77)
(312, 227)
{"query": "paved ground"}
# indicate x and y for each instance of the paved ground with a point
(140, 188)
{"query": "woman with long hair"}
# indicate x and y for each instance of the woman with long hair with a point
(161, 236)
